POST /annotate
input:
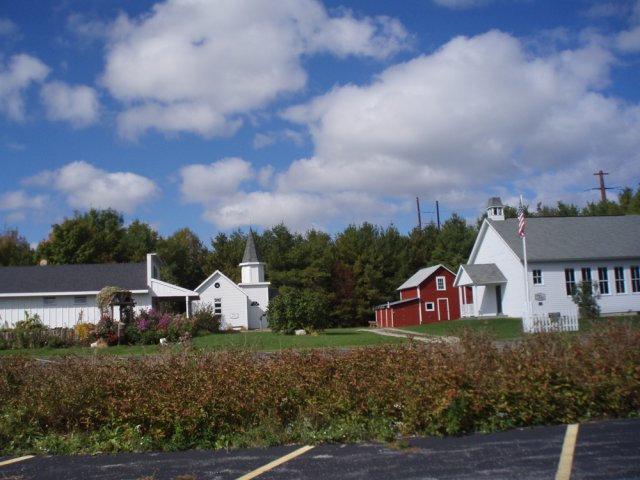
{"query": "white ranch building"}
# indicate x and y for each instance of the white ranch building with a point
(63, 295)
(242, 305)
(561, 252)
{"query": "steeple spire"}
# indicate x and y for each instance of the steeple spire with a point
(251, 252)
(251, 267)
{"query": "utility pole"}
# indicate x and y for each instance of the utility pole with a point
(603, 189)
(438, 213)
(419, 218)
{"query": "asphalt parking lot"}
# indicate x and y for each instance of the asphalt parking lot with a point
(598, 450)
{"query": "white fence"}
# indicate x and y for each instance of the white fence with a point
(553, 322)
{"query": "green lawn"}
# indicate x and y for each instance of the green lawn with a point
(262, 341)
(505, 328)
(499, 328)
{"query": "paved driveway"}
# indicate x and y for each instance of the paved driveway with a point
(600, 450)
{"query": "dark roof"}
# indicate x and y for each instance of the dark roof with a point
(251, 253)
(495, 202)
(73, 278)
(484, 273)
(574, 238)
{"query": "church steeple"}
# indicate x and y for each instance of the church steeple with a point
(252, 266)
(251, 252)
(495, 209)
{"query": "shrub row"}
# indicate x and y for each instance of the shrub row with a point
(233, 399)
(146, 327)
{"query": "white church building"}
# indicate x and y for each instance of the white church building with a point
(561, 253)
(242, 305)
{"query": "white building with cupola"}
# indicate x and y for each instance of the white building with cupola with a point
(241, 305)
(561, 253)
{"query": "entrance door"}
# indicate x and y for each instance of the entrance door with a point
(443, 309)
(499, 299)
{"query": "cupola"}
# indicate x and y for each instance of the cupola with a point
(495, 209)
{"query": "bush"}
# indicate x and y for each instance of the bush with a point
(586, 301)
(205, 319)
(84, 332)
(30, 332)
(295, 310)
(107, 329)
(235, 399)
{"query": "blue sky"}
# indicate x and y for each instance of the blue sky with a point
(221, 114)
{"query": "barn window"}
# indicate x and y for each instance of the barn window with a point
(80, 300)
(429, 306)
(48, 301)
(441, 283)
(217, 306)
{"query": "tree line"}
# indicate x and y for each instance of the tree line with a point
(353, 270)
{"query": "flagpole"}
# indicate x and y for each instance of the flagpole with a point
(527, 302)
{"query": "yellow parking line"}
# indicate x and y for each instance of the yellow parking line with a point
(566, 457)
(275, 463)
(15, 460)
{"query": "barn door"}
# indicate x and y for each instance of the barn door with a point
(443, 309)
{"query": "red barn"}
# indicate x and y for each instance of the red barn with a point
(428, 296)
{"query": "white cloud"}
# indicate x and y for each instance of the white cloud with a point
(85, 186)
(205, 183)
(477, 112)
(209, 62)
(299, 211)
(629, 40)
(7, 27)
(19, 200)
(77, 105)
(461, 4)
(22, 70)
(262, 140)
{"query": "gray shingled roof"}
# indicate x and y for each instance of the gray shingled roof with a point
(419, 277)
(574, 238)
(484, 273)
(73, 278)
(495, 202)
(251, 253)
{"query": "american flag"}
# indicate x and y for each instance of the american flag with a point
(520, 219)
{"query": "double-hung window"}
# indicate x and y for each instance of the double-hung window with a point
(635, 278)
(441, 283)
(619, 276)
(603, 280)
(570, 280)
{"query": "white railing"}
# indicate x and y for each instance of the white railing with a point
(536, 323)
(466, 310)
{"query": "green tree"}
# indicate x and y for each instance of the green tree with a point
(280, 251)
(630, 201)
(421, 244)
(296, 310)
(92, 237)
(138, 240)
(184, 258)
(455, 242)
(586, 301)
(227, 254)
(14, 249)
